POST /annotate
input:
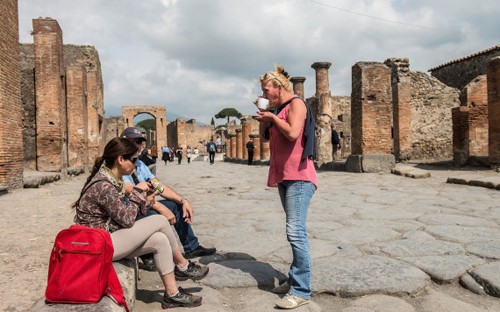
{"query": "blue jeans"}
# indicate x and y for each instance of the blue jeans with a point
(188, 240)
(295, 197)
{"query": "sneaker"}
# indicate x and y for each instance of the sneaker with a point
(182, 299)
(148, 262)
(281, 289)
(200, 252)
(194, 272)
(291, 302)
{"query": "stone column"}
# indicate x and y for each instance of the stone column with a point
(246, 129)
(239, 144)
(401, 101)
(256, 143)
(95, 112)
(493, 76)
(232, 137)
(323, 114)
(11, 106)
(298, 86)
(322, 84)
(50, 101)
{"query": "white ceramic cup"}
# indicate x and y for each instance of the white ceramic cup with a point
(263, 104)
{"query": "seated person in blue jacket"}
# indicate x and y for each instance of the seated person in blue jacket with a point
(174, 207)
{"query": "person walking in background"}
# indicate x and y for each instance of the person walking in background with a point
(291, 169)
(218, 144)
(154, 153)
(106, 203)
(250, 148)
(178, 153)
(165, 154)
(211, 149)
(335, 142)
(189, 152)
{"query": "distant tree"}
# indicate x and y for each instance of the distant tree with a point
(147, 124)
(228, 112)
(212, 122)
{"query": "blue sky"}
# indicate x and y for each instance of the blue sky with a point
(197, 57)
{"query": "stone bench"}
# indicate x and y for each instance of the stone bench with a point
(127, 274)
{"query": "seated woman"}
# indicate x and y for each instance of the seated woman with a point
(105, 203)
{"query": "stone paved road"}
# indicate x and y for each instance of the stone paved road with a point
(380, 242)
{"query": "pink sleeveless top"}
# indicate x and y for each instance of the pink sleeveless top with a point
(286, 157)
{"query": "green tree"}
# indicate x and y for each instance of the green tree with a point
(212, 122)
(228, 112)
(147, 124)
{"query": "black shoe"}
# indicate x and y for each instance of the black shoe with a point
(182, 299)
(148, 262)
(200, 252)
(194, 272)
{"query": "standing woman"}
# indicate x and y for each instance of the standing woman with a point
(291, 131)
(107, 204)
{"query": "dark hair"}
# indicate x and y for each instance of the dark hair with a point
(115, 148)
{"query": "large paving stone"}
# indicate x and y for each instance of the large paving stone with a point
(463, 234)
(367, 275)
(437, 301)
(408, 248)
(444, 268)
(449, 219)
(488, 275)
(244, 273)
(489, 249)
(383, 303)
(355, 235)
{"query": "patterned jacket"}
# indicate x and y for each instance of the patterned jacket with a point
(104, 206)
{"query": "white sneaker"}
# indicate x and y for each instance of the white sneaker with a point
(291, 302)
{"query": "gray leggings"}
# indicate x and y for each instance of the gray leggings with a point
(152, 234)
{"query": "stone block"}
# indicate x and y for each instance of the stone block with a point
(377, 163)
(353, 163)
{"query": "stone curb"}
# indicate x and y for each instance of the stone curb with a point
(491, 183)
(411, 172)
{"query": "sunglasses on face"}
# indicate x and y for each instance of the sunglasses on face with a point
(132, 159)
(138, 141)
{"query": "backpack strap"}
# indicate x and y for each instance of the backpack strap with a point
(115, 290)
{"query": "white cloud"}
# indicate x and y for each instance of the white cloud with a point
(197, 57)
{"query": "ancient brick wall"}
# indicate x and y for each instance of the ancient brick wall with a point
(76, 82)
(11, 115)
(459, 73)
(431, 122)
(493, 76)
(27, 53)
(371, 109)
(50, 95)
(476, 98)
(197, 135)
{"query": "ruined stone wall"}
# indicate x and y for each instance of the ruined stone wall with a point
(431, 121)
(197, 135)
(11, 151)
(459, 73)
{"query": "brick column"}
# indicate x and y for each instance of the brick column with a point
(493, 76)
(233, 145)
(371, 109)
(11, 107)
(246, 129)
(298, 86)
(76, 83)
(401, 100)
(265, 153)
(256, 144)
(50, 102)
(239, 144)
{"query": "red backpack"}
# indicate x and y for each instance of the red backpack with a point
(81, 268)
